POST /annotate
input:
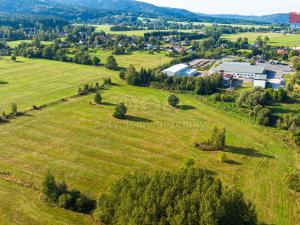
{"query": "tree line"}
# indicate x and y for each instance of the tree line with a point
(154, 78)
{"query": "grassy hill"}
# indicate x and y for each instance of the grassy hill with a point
(276, 39)
(84, 145)
(28, 82)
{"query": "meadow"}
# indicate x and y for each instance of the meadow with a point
(276, 39)
(84, 145)
(29, 82)
(138, 59)
(14, 44)
(106, 29)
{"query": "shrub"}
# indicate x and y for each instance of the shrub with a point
(263, 116)
(84, 204)
(14, 108)
(107, 81)
(111, 63)
(294, 182)
(187, 196)
(217, 139)
(98, 98)
(122, 74)
(57, 193)
(288, 122)
(189, 163)
(13, 58)
(173, 100)
(120, 111)
(222, 157)
(296, 137)
(50, 190)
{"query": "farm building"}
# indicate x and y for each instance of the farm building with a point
(260, 81)
(180, 70)
(241, 70)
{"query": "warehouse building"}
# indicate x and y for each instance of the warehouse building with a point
(241, 70)
(180, 70)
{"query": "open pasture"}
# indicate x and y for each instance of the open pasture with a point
(14, 44)
(106, 29)
(276, 39)
(88, 148)
(30, 82)
(138, 59)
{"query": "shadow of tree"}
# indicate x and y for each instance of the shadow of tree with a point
(108, 104)
(246, 152)
(3, 82)
(186, 107)
(138, 119)
(233, 162)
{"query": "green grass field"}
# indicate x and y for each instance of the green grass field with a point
(35, 81)
(276, 39)
(106, 29)
(84, 145)
(138, 59)
(28, 82)
(14, 44)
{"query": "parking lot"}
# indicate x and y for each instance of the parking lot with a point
(277, 71)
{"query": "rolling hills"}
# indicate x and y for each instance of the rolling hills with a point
(93, 9)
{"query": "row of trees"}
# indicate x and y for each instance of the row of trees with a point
(54, 52)
(200, 85)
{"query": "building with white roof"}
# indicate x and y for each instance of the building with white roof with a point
(241, 70)
(260, 81)
(180, 70)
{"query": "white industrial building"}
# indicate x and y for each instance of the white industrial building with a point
(260, 81)
(241, 70)
(180, 70)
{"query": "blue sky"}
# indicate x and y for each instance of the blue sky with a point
(244, 7)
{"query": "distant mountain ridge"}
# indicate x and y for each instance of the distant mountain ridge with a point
(282, 18)
(90, 9)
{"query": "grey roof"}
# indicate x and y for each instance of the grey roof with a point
(240, 68)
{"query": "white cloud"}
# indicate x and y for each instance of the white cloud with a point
(244, 7)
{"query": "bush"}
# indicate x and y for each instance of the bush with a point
(13, 58)
(296, 137)
(263, 116)
(84, 204)
(288, 122)
(188, 196)
(122, 74)
(14, 108)
(294, 182)
(98, 98)
(57, 193)
(120, 111)
(173, 100)
(50, 189)
(111, 63)
(107, 81)
(217, 139)
(222, 157)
